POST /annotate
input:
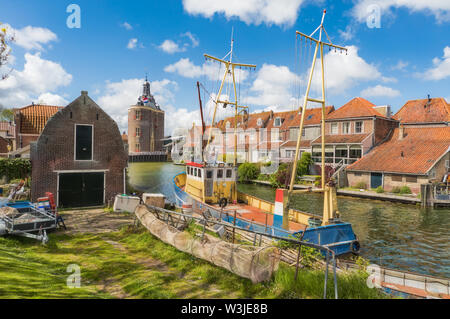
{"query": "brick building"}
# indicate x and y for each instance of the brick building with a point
(145, 124)
(416, 153)
(30, 121)
(79, 156)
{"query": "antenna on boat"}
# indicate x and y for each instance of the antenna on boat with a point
(329, 192)
(229, 69)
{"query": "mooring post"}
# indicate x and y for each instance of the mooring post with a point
(234, 224)
(298, 260)
(335, 278)
(326, 277)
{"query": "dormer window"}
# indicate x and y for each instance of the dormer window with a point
(259, 122)
(227, 125)
(277, 122)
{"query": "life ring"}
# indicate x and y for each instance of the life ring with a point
(223, 202)
(355, 246)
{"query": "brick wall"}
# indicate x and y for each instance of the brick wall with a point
(54, 150)
(150, 118)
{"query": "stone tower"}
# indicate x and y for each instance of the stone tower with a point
(145, 124)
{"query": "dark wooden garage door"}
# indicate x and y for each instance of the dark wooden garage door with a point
(81, 189)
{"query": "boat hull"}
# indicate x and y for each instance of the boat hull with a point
(338, 237)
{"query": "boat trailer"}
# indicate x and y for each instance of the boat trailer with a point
(27, 220)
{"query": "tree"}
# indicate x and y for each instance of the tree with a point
(303, 164)
(6, 114)
(5, 49)
(248, 172)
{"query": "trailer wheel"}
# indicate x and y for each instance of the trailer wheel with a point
(223, 202)
(355, 246)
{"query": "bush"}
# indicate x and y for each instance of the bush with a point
(263, 177)
(380, 189)
(15, 168)
(395, 190)
(361, 185)
(405, 190)
(248, 172)
(304, 163)
(282, 177)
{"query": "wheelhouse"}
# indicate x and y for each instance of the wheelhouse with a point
(211, 184)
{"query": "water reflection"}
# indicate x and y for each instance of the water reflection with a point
(393, 235)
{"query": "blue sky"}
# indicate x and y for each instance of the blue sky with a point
(406, 58)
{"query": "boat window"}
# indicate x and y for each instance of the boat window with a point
(188, 170)
(220, 173)
(199, 172)
(229, 173)
(209, 174)
(195, 171)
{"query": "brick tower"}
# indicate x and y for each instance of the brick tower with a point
(145, 124)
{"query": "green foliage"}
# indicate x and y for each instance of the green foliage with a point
(17, 168)
(282, 177)
(405, 190)
(379, 189)
(304, 163)
(263, 177)
(395, 190)
(248, 172)
(361, 185)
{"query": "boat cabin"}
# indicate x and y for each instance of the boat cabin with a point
(212, 184)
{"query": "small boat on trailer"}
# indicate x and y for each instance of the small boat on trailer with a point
(212, 185)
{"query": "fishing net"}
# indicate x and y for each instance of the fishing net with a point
(254, 263)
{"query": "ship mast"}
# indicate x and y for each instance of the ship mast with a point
(230, 67)
(329, 196)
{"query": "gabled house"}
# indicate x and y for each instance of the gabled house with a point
(416, 153)
(79, 156)
(311, 131)
(352, 131)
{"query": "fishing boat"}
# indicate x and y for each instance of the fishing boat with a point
(211, 186)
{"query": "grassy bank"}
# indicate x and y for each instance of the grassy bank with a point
(131, 263)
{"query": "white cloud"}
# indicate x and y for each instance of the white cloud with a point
(401, 65)
(119, 96)
(52, 99)
(132, 43)
(380, 91)
(272, 87)
(38, 77)
(32, 37)
(441, 69)
(193, 38)
(212, 70)
(439, 8)
(278, 12)
(171, 47)
(348, 33)
(127, 26)
(343, 71)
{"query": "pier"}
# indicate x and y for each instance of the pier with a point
(147, 157)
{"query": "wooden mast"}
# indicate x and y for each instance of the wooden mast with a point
(329, 193)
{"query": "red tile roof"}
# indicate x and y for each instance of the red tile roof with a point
(342, 139)
(416, 153)
(357, 107)
(422, 111)
(290, 144)
(313, 116)
(34, 117)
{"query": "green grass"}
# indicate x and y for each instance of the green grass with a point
(132, 263)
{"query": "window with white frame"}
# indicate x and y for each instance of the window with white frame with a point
(83, 142)
(138, 131)
(138, 115)
(346, 128)
(259, 122)
(359, 127)
(334, 128)
(227, 125)
(277, 122)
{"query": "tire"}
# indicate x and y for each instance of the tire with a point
(223, 202)
(355, 246)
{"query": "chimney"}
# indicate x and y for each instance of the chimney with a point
(401, 132)
(428, 102)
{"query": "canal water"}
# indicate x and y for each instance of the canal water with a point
(398, 236)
